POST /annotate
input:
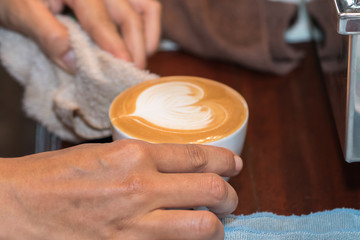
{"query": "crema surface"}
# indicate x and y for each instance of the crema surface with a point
(179, 109)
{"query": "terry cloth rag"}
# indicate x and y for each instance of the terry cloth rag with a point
(336, 224)
(73, 107)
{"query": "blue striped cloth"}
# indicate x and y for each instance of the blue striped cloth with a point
(336, 224)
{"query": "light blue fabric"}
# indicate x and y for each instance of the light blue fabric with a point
(336, 224)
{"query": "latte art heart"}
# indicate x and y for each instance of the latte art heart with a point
(178, 109)
(174, 105)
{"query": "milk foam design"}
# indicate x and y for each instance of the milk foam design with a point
(181, 109)
(174, 105)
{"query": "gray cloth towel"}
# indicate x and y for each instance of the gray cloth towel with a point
(74, 107)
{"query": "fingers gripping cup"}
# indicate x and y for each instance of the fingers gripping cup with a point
(181, 109)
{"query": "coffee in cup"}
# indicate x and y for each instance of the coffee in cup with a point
(181, 109)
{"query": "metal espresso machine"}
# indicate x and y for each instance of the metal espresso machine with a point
(343, 86)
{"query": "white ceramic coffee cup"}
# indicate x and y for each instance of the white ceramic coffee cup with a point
(233, 141)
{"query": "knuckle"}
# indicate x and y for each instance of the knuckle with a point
(134, 185)
(207, 226)
(229, 160)
(217, 189)
(56, 6)
(95, 30)
(197, 157)
(133, 151)
(134, 188)
(134, 21)
(54, 40)
(155, 6)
